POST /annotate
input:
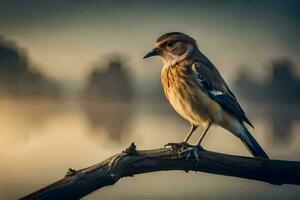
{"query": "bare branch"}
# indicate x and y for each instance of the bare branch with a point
(77, 184)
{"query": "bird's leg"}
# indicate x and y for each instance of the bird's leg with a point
(183, 144)
(193, 151)
(193, 128)
(203, 134)
(186, 148)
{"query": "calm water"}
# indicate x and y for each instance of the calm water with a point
(40, 140)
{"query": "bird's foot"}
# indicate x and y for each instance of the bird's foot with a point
(184, 148)
(191, 152)
(180, 145)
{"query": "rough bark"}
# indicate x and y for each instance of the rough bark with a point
(78, 183)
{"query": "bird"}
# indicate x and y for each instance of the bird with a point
(196, 90)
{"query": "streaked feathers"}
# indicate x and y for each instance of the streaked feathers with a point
(185, 96)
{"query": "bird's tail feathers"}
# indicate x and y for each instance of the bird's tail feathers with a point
(251, 144)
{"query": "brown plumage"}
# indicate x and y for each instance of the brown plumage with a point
(197, 91)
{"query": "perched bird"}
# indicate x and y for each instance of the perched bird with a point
(197, 91)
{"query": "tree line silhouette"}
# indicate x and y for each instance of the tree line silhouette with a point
(107, 96)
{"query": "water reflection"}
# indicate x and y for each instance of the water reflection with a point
(110, 119)
(46, 139)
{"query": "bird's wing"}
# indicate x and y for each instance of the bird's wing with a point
(211, 82)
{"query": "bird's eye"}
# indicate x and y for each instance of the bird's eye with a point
(171, 43)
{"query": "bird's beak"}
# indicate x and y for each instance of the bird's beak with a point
(154, 52)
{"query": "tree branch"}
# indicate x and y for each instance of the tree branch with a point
(77, 184)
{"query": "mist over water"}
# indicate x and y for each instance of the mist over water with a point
(41, 140)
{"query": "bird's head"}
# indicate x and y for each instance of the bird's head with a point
(173, 47)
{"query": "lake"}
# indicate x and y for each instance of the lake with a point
(40, 139)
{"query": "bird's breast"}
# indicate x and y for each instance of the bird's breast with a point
(185, 96)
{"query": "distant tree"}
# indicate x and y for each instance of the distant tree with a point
(285, 84)
(17, 75)
(110, 82)
(283, 87)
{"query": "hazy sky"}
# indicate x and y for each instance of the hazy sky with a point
(64, 38)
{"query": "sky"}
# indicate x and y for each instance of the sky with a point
(65, 38)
